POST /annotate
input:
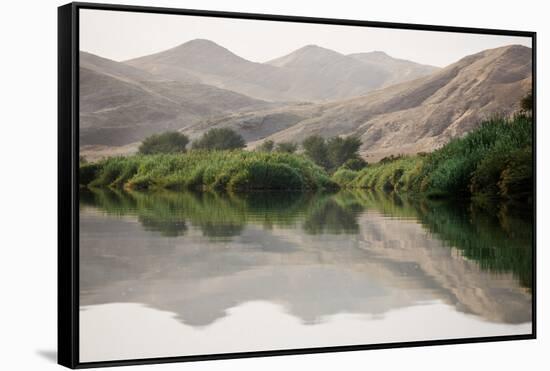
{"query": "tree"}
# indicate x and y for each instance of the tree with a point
(331, 153)
(316, 149)
(288, 147)
(168, 142)
(342, 149)
(527, 102)
(266, 146)
(220, 139)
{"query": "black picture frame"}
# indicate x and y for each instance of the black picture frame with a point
(68, 188)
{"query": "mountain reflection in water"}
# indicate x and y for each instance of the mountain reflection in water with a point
(316, 255)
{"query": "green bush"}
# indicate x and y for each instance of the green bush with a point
(261, 175)
(333, 152)
(527, 102)
(168, 142)
(316, 149)
(453, 169)
(87, 173)
(220, 139)
(109, 172)
(341, 150)
(388, 176)
(485, 178)
(492, 161)
(516, 181)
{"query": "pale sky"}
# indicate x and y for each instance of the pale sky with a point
(124, 35)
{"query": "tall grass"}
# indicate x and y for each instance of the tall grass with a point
(208, 170)
(493, 161)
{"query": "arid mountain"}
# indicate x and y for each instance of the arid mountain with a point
(323, 74)
(397, 70)
(419, 115)
(214, 65)
(116, 112)
(120, 104)
(310, 73)
(114, 69)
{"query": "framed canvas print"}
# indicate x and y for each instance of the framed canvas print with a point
(237, 185)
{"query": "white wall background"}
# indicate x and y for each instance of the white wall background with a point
(28, 183)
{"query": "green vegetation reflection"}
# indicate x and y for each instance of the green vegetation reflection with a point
(497, 236)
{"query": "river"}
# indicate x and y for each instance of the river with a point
(181, 273)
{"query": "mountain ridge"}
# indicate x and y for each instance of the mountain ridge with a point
(415, 116)
(120, 104)
(310, 73)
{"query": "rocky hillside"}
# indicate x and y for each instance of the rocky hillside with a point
(181, 89)
(120, 104)
(419, 115)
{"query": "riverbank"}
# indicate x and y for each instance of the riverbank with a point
(492, 162)
(236, 170)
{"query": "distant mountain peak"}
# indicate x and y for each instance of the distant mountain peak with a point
(203, 46)
(306, 54)
(315, 47)
(201, 41)
(310, 46)
(196, 50)
(378, 52)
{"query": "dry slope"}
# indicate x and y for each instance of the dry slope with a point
(419, 115)
(120, 104)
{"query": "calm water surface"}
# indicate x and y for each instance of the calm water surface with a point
(172, 274)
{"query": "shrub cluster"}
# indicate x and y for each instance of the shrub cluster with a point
(333, 152)
(198, 169)
(167, 142)
(220, 139)
(176, 142)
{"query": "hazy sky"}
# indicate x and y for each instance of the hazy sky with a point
(125, 35)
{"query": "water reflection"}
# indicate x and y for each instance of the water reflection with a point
(198, 255)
